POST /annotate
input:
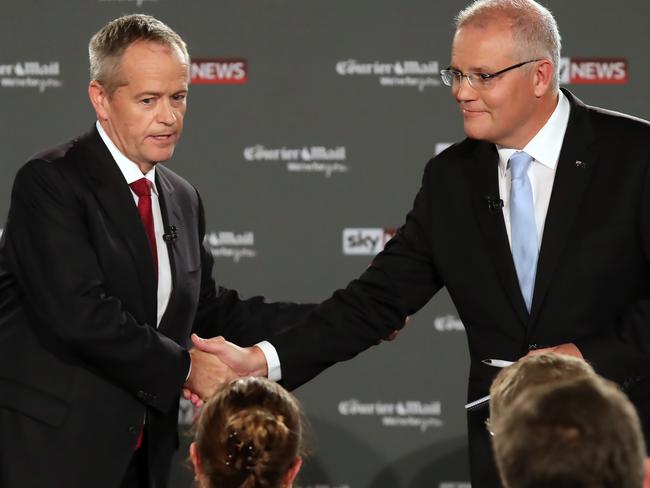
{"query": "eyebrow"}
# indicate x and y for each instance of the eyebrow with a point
(156, 94)
(479, 69)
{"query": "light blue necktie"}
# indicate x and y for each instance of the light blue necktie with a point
(522, 225)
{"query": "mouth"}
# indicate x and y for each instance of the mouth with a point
(163, 137)
(469, 113)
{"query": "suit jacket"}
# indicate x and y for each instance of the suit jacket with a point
(81, 359)
(592, 283)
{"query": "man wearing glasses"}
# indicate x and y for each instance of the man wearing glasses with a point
(538, 224)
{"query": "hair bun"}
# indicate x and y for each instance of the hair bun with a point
(241, 455)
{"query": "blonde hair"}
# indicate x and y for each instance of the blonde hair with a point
(530, 371)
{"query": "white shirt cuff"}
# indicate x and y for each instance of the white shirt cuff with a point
(272, 360)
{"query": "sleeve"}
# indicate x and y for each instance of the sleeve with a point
(400, 281)
(54, 261)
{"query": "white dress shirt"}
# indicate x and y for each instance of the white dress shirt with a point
(545, 149)
(131, 172)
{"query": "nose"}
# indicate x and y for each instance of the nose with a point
(166, 113)
(463, 91)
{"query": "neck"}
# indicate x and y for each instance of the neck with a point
(145, 167)
(543, 112)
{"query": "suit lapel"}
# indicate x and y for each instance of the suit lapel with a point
(482, 172)
(574, 171)
(171, 215)
(115, 197)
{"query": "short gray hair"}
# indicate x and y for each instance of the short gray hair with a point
(107, 46)
(534, 28)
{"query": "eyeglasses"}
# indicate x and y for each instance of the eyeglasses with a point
(478, 81)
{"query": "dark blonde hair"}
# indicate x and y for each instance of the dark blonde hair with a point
(248, 435)
(532, 371)
(581, 433)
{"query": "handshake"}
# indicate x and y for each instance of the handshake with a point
(216, 362)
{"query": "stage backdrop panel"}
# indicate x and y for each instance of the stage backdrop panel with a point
(309, 125)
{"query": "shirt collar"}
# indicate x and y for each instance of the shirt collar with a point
(129, 169)
(546, 145)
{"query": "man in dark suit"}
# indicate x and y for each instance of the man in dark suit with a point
(538, 225)
(103, 277)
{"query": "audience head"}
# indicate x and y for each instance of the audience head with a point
(530, 371)
(575, 433)
(248, 435)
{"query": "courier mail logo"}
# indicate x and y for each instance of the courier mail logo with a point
(365, 241)
(31, 74)
(593, 71)
(219, 71)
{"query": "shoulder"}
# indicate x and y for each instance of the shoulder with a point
(456, 156)
(55, 163)
(608, 124)
(618, 123)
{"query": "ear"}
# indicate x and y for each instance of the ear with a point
(290, 476)
(543, 77)
(99, 98)
(196, 462)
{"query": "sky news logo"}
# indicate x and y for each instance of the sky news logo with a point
(593, 71)
(219, 71)
(365, 241)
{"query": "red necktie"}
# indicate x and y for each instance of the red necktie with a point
(142, 188)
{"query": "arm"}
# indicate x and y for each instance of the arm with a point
(401, 279)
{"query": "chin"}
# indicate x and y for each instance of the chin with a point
(479, 133)
(474, 133)
(161, 156)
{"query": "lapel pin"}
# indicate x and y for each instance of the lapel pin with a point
(581, 164)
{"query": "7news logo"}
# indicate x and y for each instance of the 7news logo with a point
(219, 71)
(592, 71)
